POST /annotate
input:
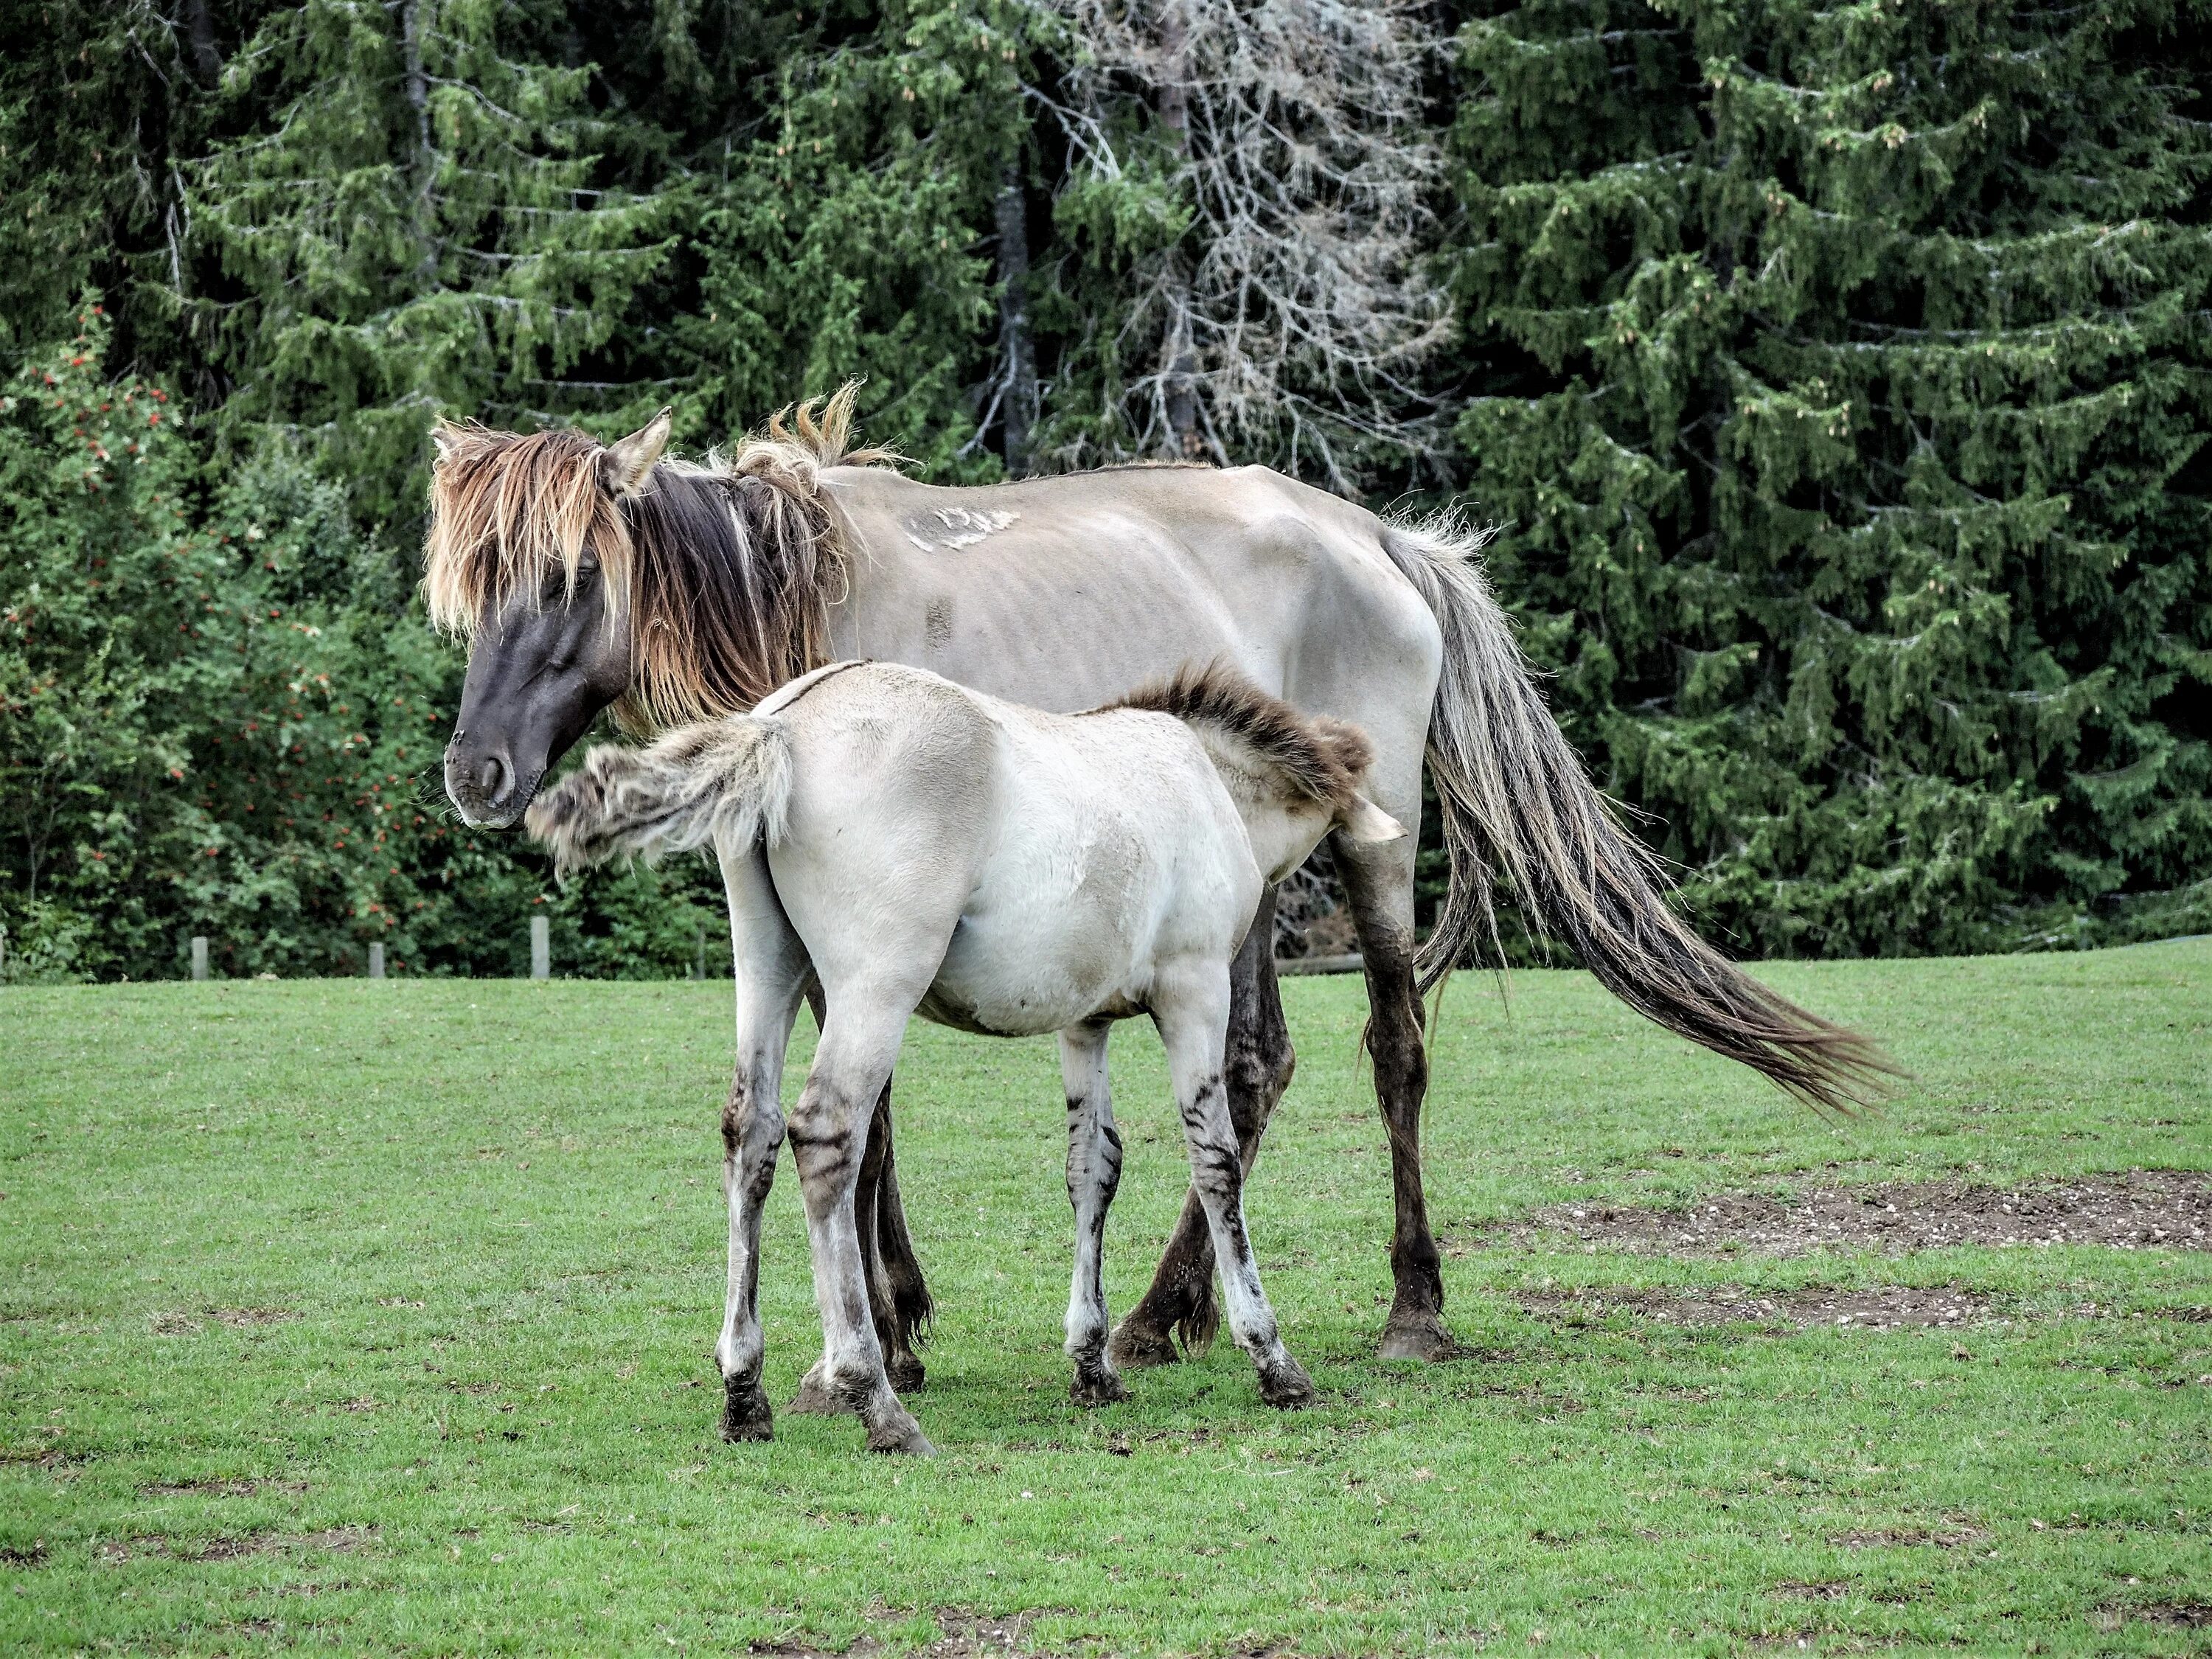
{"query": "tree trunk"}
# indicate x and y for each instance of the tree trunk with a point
(1179, 353)
(1017, 351)
(199, 33)
(417, 86)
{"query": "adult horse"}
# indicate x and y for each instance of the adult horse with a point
(589, 576)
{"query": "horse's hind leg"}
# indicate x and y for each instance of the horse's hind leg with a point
(1378, 879)
(1190, 1007)
(828, 1130)
(1259, 1062)
(898, 1296)
(1094, 1171)
(898, 1300)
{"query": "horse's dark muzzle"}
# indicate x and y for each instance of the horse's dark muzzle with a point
(486, 788)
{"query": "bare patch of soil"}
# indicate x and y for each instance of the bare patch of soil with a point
(966, 1635)
(180, 1323)
(1952, 1537)
(1885, 1308)
(2167, 1615)
(213, 1487)
(1834, 1589)
(332, 1540)
(249, 1319)
(2158, 1209)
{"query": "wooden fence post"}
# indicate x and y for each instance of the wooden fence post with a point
(199, 957)
(541, 948)
(376, 962)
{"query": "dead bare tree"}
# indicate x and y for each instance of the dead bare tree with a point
(1282, 323)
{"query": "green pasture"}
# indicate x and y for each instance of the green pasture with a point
(377, 1316)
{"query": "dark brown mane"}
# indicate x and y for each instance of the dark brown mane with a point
(724, 572)
(1320, 758)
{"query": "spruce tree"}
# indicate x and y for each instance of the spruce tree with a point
(1844, 364)
(412, 222)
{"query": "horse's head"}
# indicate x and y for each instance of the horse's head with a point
(530, 559)
(585, 576)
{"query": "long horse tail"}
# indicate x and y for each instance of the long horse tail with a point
(727, 781)
(1517, 801)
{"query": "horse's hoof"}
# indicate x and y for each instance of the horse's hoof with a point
(745, 1413)
(1097, 1388)
(1417, 1336)
(907, 1374)
(1285, 1385)
(901, 1440)
(815, 1397)
(1133, 1346)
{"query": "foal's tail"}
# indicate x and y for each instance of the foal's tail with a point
(727, 781)
(1515, 799)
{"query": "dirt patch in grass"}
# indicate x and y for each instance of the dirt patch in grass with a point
(214, 1487)
(1833, 1589)
(965, 1634)
(1950, 1537)
(339, 1540)
(178, 1323)
(1885, 1308)
(2167, 1615)
(2160, 1209)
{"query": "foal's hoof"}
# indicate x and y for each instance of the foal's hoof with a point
(1417, 1336)
(907, 1374)
(746, 1414)
(1285, 1385)
(1133, 1346)
(1097, 1388)
(816, 1398)
(901, 1440)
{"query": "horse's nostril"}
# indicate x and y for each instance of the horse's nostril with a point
(493, 779)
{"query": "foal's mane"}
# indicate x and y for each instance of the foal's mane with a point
(1313, 755)
(724, 572)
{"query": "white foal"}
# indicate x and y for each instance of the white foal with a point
(923, 848)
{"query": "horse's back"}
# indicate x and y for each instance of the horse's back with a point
(1063, 592)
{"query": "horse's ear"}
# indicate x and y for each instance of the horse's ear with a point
(447, 438)
(624, 465)
(1365, 821)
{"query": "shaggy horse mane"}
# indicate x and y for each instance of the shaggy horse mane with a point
(1311, 755)
(724, 572)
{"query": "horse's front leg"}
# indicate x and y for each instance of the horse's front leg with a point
(1190, 1006)
(1094, 1171)
(1257, 1065)
(771, 967)
(828, 1130)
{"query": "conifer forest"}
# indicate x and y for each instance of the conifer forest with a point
(1837, 373)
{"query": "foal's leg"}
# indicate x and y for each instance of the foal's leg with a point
(771, 971)
(829, 1132)
(898, 1301)
(1094, 1171)
(1191, 1008)
(1258, 1071)
(1378, 878)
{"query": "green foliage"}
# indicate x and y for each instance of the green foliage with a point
(412, 221)
(1840, 372)
(1843, 425)
(215, 719)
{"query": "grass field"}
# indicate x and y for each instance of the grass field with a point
(376, 1317)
